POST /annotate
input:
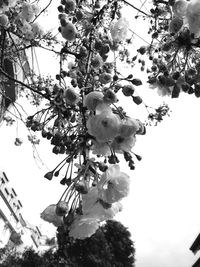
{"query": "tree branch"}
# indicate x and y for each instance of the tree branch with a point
(127, 3)
(23, 84)
(43, 10)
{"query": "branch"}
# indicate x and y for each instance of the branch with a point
(3, 33)
(23, 84)
(43, 10)
(135, 8)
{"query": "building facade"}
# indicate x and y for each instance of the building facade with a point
(14, 229)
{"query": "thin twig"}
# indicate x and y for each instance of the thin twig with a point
(43, 10)
(23, 84)
(140, 11)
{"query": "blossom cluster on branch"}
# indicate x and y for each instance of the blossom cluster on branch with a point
(174, 48)
(79, 111)
(87, 122)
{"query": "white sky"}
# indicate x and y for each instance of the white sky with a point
(162, 208)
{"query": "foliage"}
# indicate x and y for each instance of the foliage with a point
(29, 257)
(109, 246)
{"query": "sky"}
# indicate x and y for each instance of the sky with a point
(162, 209)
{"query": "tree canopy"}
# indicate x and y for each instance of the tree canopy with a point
(109, 246)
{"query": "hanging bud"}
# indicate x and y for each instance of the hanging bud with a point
(62, 208)
(128, 90)
(137, 100)
(142, 50)
(136, 82)
(176, 91)
(81, 187)
(110, 97)
(70, 5)
(138, 157)
(49, 175)
(175, 24)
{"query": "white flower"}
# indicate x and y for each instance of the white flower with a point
(36, 9)
(83, 227)
(103, 107)
(103, 214)
(29, 35)
(104, 126)
(69, 31)
(93, 208)
(26, 27)
(193, 16)
(4, 7)
(89, 200)
(92, 99)
(115, 185)
(179, 8)
(110, 97)
(94, 213)
(119, 29)
(97, 62)
(70, 96)
(105, 78)
(70, 5)
(27, 12)
(4, 21)
(12, 3)
(121, 144)
(49, 215)
(175, 24)
(128, 127)
(37, 29)
(101, 149)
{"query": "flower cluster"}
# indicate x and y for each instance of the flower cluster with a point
(111, 133)
(27, 15)
(23, 22)
(82, 117)
(83, 120)
(101, 202)
(173, 53)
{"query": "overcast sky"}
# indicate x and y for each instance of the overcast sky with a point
(162, 210)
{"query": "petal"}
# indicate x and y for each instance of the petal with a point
(49, 215)
(83, 227)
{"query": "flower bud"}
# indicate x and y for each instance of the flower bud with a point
(110, 97)
(92, 99)
(70, 5)
(105, 78)
(81, 187)
(70, 96)
(97, 62)
(61, 208)
(175, 24)
(128, 90)
(68, 31)
(179, 8)
(4, 21)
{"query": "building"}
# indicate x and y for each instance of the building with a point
(195, 248)
(14, 229)
(8, 87)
